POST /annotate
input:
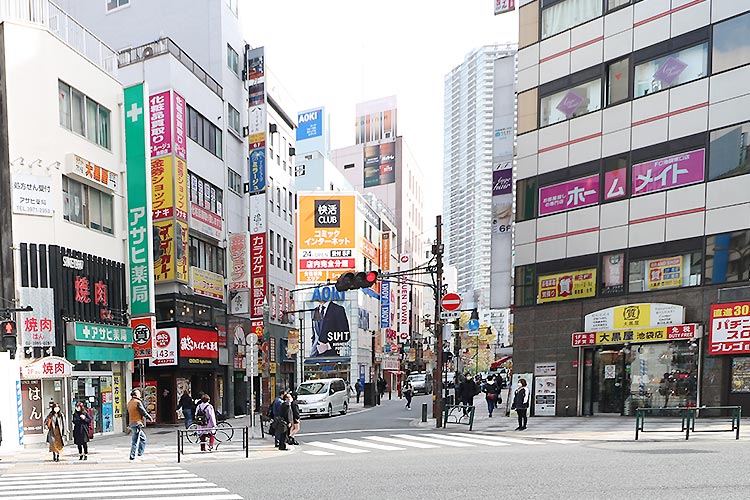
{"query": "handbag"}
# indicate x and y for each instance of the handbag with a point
(491, 396)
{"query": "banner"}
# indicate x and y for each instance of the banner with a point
(32, 195)
(567, 286)
(258, 271)
(404, 302)
(628, 335)
(292, 346)
(635, 315)
(164, 351)
(239, 261)
(502, 6)
(668, 172)
(730, 328)
(207, 284)
(330, 314)
(379, 164)
(255, 63)
(569, 195)
(664, 273)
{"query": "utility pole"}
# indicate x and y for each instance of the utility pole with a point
(437, 250)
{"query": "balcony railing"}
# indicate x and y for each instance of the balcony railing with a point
(167, 46)
(64, 27)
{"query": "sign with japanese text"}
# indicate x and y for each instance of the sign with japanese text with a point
(160, 118)
(635, 315)
(32, 195)
(326, 244)
(255, 63)
(198, 347)
(665, 173)
(569, 195)
(117, 396)
(142, 332)
(162, 188)
(207, 284)
(385, 251)
(140, 255)
(615, 183)
(292, 346)
(637, 335)
(47, 367)
(258, 213)
(730, 328)
(502, 6)
(567, 286)
(37, 328)
(32, 406)
(180, 136)
(108, 334)
(258, 273)
(369, 251)
(239, 261)
(205, 221)
(257, 170)
(91, 172)
(170, 262)
(164, 351)
(545, 396)
(664, 273)
(181, 196)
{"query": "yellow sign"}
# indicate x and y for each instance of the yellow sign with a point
(206, 283)
(638, 335)
(632, 315)
(369, 250)
(181, 195)
(567, 286)
(326, 236)
(292, 345)
(162, 188)
(117, 396)
(664, 273)
(170, 258)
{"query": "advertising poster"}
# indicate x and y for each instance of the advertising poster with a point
(160, 114)
(165, 256)
(207, 284)
(326, 245)
(376, 120)
(180, 131)
(37, 328)
(545, 395)
(567, 286)
(255, 63)
(32, 195)
(149, 397)
(164, 352)
(730, 328)
(614, 273)
(568, 195)
(258, 270)
(32, 406)
(105, 386)
(379, 164)
(292, 347)
(664, 273)
(740, 375)
(668, 172)
(330, 319)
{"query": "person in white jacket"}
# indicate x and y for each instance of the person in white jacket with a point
(521, 404)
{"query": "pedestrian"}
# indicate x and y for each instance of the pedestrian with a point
(381, 386)
(81, 423)
(491, 394)
(188, 407)
(358, 388)
(468, 390)
(408, 394)
(295, 420)
(207, 424)
(283, 422)
(55, 424)
(521, 403)
(137, 416)
(276, 412)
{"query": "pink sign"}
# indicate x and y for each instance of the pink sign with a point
(615, 183)
(568, 195)
(180, 145)
(160, 110)
(665, 173)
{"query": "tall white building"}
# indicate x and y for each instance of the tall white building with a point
(467, 171)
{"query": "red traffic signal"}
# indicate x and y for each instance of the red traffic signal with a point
(355, 281)
(8, 327)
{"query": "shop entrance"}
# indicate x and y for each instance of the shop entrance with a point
(95, 391)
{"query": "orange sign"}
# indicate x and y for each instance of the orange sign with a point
(369, 250)
(181, 189)
(385, 251)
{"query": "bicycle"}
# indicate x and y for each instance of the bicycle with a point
(224, 432)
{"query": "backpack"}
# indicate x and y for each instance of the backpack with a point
(200, 415)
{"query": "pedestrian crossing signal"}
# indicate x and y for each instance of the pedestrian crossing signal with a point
(355, 281)
(9, 327)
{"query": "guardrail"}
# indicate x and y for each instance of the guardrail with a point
(224, 436)
(459, 414)
(688, 417)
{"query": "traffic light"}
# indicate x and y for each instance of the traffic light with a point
(9, 332)
(355, 281)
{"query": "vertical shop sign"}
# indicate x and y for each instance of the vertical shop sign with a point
(404, 302)
(117, 396)
(239, 260)
(31, 404)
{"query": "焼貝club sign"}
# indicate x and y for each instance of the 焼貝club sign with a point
(730, 328)
(164, 347)
(198, 347)
(567, 286)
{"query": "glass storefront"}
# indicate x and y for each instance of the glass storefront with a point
(619, 379)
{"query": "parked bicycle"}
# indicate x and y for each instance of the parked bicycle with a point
(224, 433)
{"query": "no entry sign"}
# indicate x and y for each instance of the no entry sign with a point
(450, 302)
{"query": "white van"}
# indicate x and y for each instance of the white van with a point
(322, 397)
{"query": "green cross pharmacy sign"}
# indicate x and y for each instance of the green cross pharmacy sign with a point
(108, 334)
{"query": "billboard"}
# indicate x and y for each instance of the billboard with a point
(239, 261)
(329, 315)
(326, 241)
(170, 251)
(730, 328)
(503, 110)
(668, 172)
(569, 195)
(255, 60)
(566, 286)
(380, 164)
(376, 120)
(257, 139)
(309, 124)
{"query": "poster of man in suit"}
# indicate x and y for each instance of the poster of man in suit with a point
(330, 326)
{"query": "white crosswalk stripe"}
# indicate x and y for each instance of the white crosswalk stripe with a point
(469, 439)
(441, 442)
(401, 442)
(109, 484)
(505, 439)
(335, 447)
(365, 444)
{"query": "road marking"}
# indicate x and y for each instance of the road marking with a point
(562, 441)
(98, 472)
(93, 489)
(202, 492)
(435, 441)
(98, 481)
(335, 447)
(354, 442)
(401, 442)
(466, 439)
(353, 431)
(319, 453)
(504, 439)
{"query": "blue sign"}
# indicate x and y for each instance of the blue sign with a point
(257, 170)
(328, 293)
(473, 325)
(310, 124)
(107, 419)
(385, 304)
(362, 375)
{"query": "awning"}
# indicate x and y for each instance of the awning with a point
(495, 365)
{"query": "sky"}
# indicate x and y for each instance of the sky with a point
(336, 53)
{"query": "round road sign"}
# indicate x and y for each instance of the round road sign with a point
(450, 302)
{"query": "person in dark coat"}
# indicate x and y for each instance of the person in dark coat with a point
(81, 423)
(358, 388)
(188, 407)
(521, 403)
(55, 424)
(468, 391)
(295, 419)
(491, 394)
(283, 421)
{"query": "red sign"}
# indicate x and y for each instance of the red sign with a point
(730, 328)
(581, 339)
(142, 329)
(450, 302)
(258, 273)
(199, 343)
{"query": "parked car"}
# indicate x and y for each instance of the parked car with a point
(421, 382)
(323, 397)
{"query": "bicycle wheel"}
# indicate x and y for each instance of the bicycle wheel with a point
(192, 434)
(224, 432)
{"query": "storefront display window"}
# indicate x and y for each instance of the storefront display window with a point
(728, 257)
(660, 273)
(740, 375)
(202, 315)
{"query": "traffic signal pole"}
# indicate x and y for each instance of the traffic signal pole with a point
(437, 409)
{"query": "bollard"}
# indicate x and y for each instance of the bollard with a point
(389, 395)
(424, 412)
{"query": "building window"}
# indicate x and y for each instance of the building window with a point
(233, 117)
(87, 206)
(569, 13)
(83, 115)
(729, 153)
(731, 47)
(348, 166)
(203, 132)
(284, 247)
(278, 201)
(291, 258)
(271, 246)
(206, 256)
(616, 4)
(233, 60)
(234, 181)
(660, 273)
(728, 257)
(673, 69)
(569, 103)
(291, 207)
(278, 252)
(116, 4)
(525, 286)
(206, 195)
(526, 194)
(618, 78)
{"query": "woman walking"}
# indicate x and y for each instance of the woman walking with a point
(55, 424)
(81, 422)
(408, 394)
(295, 418)
(521, 404)
(208, 427)
(491, 394)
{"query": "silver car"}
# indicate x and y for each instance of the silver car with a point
(421, 382)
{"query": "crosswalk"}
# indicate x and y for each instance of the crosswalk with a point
(425, 440)
(123, 483)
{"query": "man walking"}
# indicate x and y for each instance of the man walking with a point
(188, 407)
(137, 416)
(521, 404)
(468, 391)
(275, 414)
(408, 394)
(358, 389)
